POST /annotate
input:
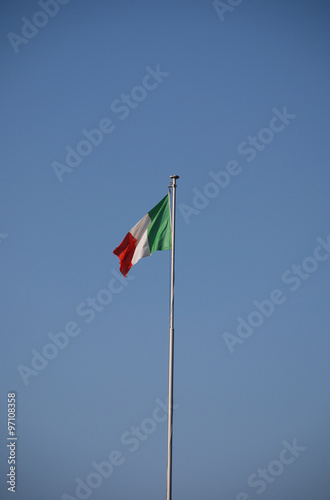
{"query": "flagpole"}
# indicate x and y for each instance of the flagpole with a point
(171, 352)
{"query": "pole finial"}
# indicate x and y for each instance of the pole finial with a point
(174, 178)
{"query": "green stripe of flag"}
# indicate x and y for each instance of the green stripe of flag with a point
(159, 231)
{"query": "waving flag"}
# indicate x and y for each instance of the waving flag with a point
(152, 232)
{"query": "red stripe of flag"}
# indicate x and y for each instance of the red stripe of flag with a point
(125, 252)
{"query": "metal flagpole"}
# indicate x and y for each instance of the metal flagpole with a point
(171, 353)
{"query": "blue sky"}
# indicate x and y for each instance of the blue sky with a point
(235, 101)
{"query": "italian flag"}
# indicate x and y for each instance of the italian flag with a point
(152, 232)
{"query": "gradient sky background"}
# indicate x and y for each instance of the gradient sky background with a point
(56, 240)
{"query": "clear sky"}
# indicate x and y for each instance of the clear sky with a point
(101, 102)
